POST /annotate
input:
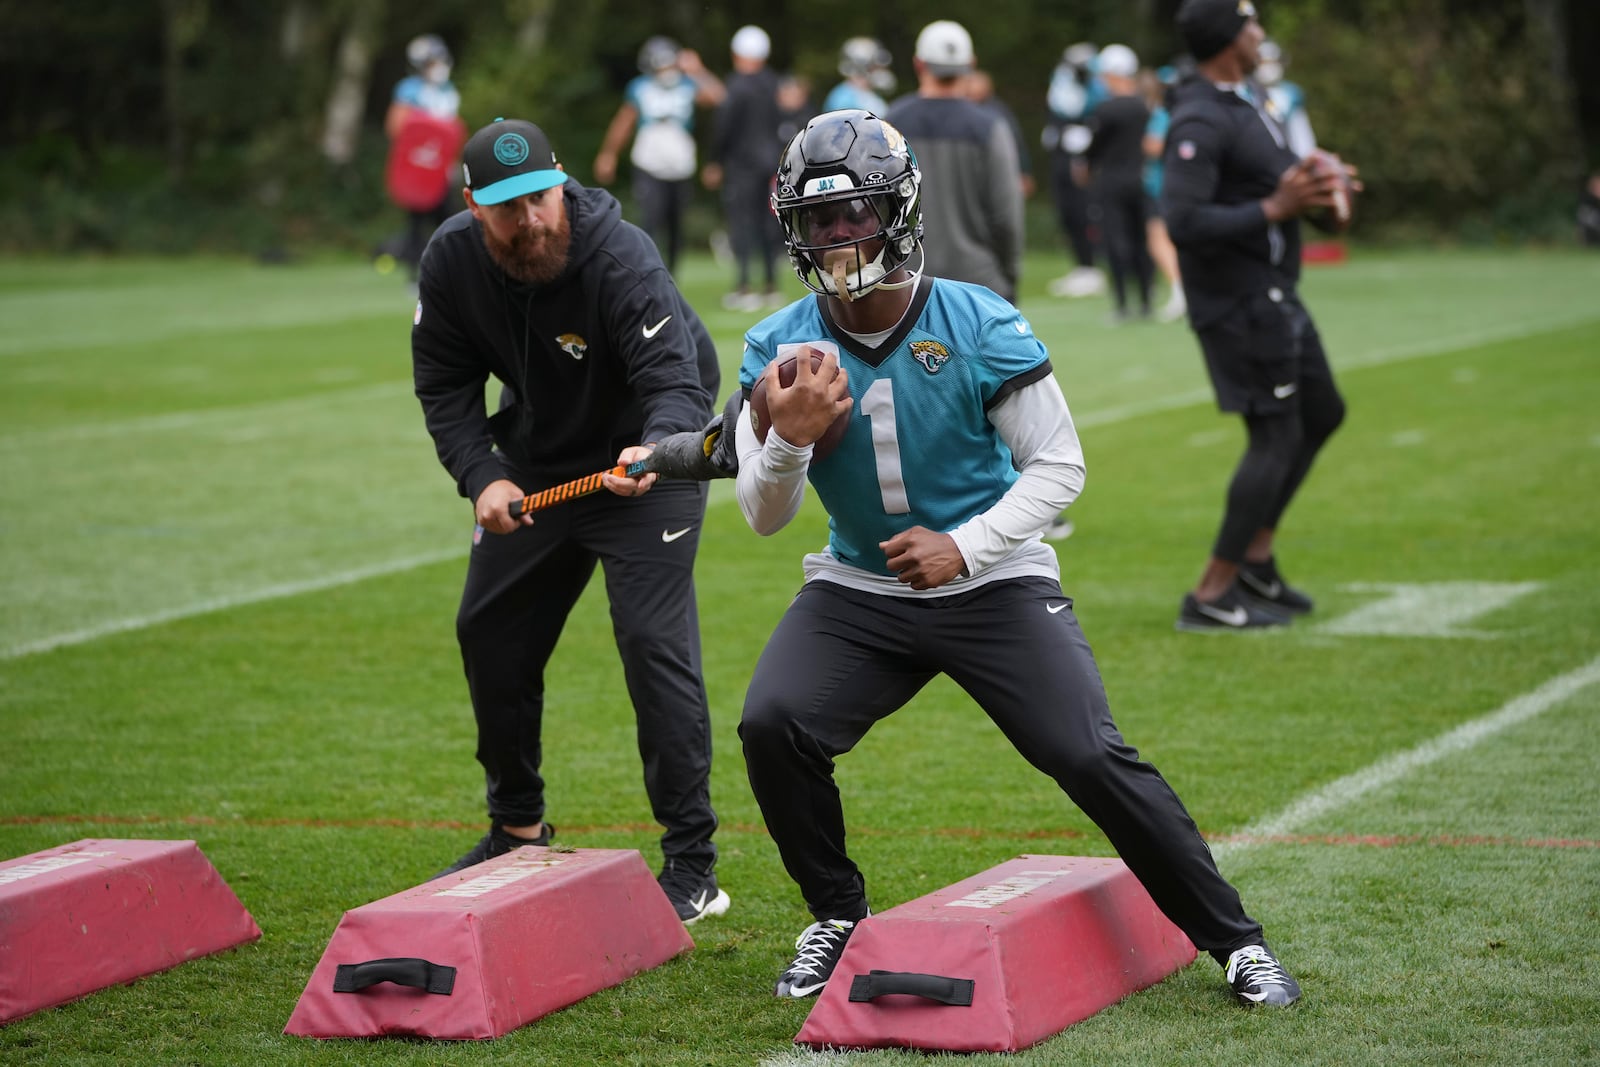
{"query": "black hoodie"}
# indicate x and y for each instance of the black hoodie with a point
(1223, 157)
(606, 356)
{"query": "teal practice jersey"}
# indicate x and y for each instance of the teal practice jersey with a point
(920, 450)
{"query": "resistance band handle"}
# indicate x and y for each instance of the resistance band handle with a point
(954, 991)
(407, 971)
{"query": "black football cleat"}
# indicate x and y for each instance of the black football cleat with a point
(497, 842)
(817, 952)
(1259, 980)
(1262, 582)
(693, 891)
(1231, 611)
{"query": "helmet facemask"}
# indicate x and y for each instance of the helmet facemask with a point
(848, 198)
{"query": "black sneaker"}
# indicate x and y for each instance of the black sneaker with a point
(1230, 611)
(817, 952)
(497, 842)
(693, 892)
(1263, 583)
(1258, 978)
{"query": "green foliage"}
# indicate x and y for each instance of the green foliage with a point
(1458, 121)
(197, 124)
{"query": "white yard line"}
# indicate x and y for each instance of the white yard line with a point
(225, 603)
(1352, 787)
(1345, 791)
(1102, 417)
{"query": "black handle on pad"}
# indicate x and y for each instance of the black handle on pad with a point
(408, 971)
(953, 991)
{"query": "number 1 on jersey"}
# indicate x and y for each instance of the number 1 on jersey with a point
(877, 404)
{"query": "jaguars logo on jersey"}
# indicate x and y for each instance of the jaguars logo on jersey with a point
(931, 354)
(573, 345)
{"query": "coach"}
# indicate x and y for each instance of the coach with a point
(541, 285)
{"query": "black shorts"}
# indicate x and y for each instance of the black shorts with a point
(1259, 353)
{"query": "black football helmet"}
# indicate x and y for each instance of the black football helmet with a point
(849, 160)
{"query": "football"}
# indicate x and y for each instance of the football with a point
(1335, 219)
(761, 417)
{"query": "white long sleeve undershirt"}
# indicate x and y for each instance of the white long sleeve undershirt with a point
(1002, 542)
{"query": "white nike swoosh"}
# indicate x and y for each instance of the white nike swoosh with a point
(1234, 616)
(1257, 997)
(805, 990)
(671, 537)
(651, 331)
(1055, 608)
(1282, 391)
(699, 902)
(1270, 590)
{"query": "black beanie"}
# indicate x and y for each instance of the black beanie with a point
(1209, 26)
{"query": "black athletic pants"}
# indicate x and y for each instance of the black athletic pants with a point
(1072, 208)
(520, 589)
(753, 231)
(840, 660)
(1120, 210)
(1266, 362)
(661, 208)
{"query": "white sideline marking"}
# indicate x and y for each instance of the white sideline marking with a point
(1347, 790)
(253, 596)
(1391, 769)
(719, 494)
(1429, 609)
(273, 413)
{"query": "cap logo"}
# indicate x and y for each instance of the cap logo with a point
(511, 148)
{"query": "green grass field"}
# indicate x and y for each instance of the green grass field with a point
(226, 613)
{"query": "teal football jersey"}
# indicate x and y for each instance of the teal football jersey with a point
(920, 450)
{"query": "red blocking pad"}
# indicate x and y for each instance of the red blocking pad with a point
(479, 953)
(96, 913)
(999, 961)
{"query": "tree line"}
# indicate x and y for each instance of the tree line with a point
(253, 125)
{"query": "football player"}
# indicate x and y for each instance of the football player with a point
(961, 450)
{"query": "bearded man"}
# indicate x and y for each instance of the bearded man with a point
(541, 285)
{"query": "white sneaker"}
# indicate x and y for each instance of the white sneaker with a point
(1080, 282)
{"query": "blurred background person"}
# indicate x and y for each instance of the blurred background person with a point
(1115, 164)
(1589, 211)
(864, 62)
(980, 90)
(660, 104)
(794, 106)
(425, 133)
(972, 192)
(1073, 93)
(1155, 85)
(1285, 99)
(744, 146)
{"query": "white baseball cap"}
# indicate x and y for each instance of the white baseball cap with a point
(1118, 61)
(945, 48)
(752, 42)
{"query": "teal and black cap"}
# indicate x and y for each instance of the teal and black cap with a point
(509, 158)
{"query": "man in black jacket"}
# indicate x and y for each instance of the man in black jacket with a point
(541, 285)
(1232, 197)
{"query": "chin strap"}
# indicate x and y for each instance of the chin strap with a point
(838, 283)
